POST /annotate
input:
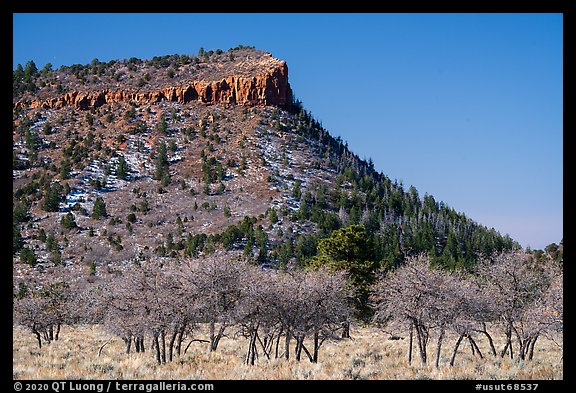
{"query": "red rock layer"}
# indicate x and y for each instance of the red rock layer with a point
(271, 88)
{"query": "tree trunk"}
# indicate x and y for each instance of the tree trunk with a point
(128, 342)
(453, 358)
(490, 341)
(137, 344)
(171, 345)
(157, 345)
(219, 336)
(254, 350)
(215, 338)
(212, 331)
(471, 346)
(51, 332)
(475, 346)
(266, 344)
(316, 347)
(37, 333)
(276, 354)
(249, 352)
(180, 338)
(163, 340)
(511, 349)
(508, 343)
(298, 349)
(521, 343)
(505, 349)
(410, 343)
(142, 349)
(346, 329)
(532, 344)
(57, 331)
(307, 352)
(421, 343)
(527, 344)
(251, 355)
(287, 349)
(439, 347)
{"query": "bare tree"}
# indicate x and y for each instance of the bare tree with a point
(216, 281)
(255, 317)
(127, 311)
(514, 285)
(403, 299)
(42, 303)
(474, 309)
(294, 305)
(325, 308)
(28, 312)
(421, 300)
(544, 315)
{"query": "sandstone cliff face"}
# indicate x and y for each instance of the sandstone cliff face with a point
(271, 88)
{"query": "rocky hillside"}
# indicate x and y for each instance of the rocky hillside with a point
(186, 154)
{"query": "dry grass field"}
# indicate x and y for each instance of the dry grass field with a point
(368, 355)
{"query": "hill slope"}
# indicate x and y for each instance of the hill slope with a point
(181, 155)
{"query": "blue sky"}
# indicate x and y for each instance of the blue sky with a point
(465, 107)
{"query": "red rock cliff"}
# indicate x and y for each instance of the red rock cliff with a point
(271, 88)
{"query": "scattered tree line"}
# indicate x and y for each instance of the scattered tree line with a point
(517, 298)
(158, 307)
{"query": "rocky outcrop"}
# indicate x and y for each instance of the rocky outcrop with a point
(271, 88)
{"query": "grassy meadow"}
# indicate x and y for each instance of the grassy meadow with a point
(368, 355)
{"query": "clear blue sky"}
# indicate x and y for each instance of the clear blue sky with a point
(465, 107)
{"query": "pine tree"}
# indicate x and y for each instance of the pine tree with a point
(17, 241)
(68, 221)
(99, 210)
(162, 170)
(163, 126)
(179, 226)
(27, 256)
(52, 197)
(122, 169)
(350, 249)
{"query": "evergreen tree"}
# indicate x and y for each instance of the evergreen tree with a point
(20, 213)
(68, 221)
(350, 249)
(65, 169)
(42, 235)
(17, 241)
(56, 257)
(179, 226)
(27, 256)
(31, 70)
(162, 170)
(296, 191)
(163, 126)
(51, 243)
(273, 216)
(286, 252)
(52, 197)
(122, 169)
(99, 210)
